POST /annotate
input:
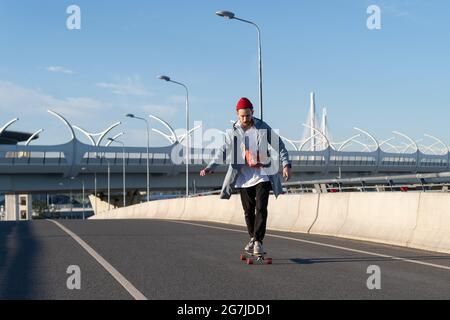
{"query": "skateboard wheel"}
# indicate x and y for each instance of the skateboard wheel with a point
(249, 261)
(268, 261)
(243, 257)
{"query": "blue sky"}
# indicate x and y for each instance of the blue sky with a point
(396, 78)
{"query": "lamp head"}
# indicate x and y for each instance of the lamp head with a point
(225, 14)
(165, 78)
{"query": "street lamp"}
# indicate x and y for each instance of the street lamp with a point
(71, 198)
(132, 116)
(166, 78)
(123, 172)
(109, 184)
(231, 16)
(82, 181)
(109, 168)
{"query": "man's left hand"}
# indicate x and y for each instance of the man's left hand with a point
(287, 173)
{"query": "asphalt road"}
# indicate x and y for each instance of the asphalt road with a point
(176, 260)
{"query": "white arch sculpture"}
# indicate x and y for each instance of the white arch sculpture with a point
(66, 123)
(370, 136)
(33, 136)
(3, 129)
(321, 134)
(438, 141)
(347, 142)
(412, 142)
(101, 135)
(172, 137)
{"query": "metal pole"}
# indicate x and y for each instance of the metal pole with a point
(123, 161)
(109, 186)
(71, 205)
(148, 163)
(260, 75)
(148, 152)
(95, 191)
(166, 78)
(124, 188)
(260, 65)
(84, 217)
(188, 151)
(187, 135)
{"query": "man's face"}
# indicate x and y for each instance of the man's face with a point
(245, 117)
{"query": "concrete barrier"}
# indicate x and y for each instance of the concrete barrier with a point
(307, 212)
(283, 212)
(174, 211)
(237, 217)
(416, 220)
(161, 208)
(433, 224)
(102, 206)
(332, 214)
(387, 217)
(229, 211)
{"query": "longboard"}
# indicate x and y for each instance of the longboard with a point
(251, 258)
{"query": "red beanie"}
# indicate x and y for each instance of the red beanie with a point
(244, 103)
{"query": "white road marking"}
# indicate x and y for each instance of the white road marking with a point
(135, 293)
(324, 245)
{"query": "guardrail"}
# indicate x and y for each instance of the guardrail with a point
(416, 182)
(78, 153)
(391, 183)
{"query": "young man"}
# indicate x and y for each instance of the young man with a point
(252, 171)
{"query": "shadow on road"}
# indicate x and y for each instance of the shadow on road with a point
(18, 251)
(354, 259)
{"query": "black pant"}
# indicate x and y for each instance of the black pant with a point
(254, 201)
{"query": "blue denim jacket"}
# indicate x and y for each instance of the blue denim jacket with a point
(268, 137)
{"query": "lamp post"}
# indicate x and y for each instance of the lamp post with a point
(83, 187)
(109, 185)
(132, 116)
(231, 16)
(166, 78)
(109, 168)
(71, 198)
(95, 191)
(123, 169)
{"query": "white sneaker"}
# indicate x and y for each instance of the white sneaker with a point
(258, 248)
(249, 247)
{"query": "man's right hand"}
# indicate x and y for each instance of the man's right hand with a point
(204, 172)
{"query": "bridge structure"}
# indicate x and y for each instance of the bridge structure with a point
(318, 226)
(95, 168)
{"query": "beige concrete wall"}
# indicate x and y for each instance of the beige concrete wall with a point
(332, 214)
(307, 212)
(283, 212)
(433, 225)
(388, 217)
(417, 220)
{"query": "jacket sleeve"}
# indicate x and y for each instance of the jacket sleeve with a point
(279, 147)
(218, 157)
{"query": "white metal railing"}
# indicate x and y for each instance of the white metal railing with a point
(418, 182)
(79, 154)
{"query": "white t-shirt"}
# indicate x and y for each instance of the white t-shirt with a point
(249, 177)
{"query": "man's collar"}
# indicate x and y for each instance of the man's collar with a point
(256, 123)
